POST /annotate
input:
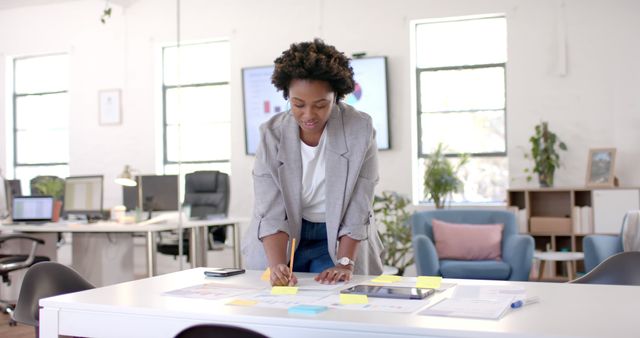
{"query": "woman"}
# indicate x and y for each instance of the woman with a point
(314, 175)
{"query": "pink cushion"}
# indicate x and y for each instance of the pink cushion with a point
(467, 241)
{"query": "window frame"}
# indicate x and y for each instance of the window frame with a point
(15, 97)
(419, 71)
(165, 88)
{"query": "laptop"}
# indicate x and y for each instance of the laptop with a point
(32, 209)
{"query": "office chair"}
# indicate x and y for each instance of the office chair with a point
(9, 263)
(215, 330)
(42, 280)
(619, 269)
(207, 193)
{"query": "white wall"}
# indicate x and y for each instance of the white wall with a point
(594, 105)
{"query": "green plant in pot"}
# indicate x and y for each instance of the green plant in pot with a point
(545, 145)
(390, 211)
(441, 176)
(51, 186)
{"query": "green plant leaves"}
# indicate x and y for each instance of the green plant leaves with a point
(390, 211)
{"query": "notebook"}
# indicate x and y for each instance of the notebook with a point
(32, 209)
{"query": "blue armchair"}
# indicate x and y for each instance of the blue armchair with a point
(517, 250)
(597, 248)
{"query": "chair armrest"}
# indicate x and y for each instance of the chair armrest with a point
(597, 248)
(425, 256)
(518, 253)
(4, 238)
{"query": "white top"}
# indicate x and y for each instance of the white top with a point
(559, 255)
(141, 309)
(313, 180)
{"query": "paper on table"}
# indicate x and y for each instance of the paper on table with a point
(430, 282)
(346, 299)
(470, 308)
(489, 292)
(266, 299)
(284, 290)
(472, 301)
(208, 291)
(377, 304)
(308, 283)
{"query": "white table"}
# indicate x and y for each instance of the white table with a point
(88, 244)
(138, 309)
(559, 256)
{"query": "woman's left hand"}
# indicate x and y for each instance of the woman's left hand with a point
(335, 274)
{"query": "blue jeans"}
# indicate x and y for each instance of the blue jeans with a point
(312, 254)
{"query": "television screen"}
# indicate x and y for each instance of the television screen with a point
(262, 100)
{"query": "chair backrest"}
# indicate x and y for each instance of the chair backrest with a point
(619, 269)
(207, 192)
(214, 330)
(422, 221)
(44, 280)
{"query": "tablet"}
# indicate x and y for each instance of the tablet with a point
(389, 291)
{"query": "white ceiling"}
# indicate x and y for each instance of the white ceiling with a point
(7, 4)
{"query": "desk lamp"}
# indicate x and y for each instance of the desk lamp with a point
(126, 178)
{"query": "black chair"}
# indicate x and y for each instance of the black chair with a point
(207, 194)
(215, 330)
(13, 262)
(619, 269)
(42, 280)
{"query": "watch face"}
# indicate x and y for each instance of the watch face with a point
(344, 261)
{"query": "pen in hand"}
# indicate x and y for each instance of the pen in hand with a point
(522, 302)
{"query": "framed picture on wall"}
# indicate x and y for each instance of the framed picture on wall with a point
(110, 108)
(600, 169)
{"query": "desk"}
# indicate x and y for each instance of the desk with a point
(138, 309)
(84, 241)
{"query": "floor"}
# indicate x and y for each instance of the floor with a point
(166, 264)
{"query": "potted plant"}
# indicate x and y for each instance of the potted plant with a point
(51, 186)
(441, 177)
(544, 154)
(390, 211)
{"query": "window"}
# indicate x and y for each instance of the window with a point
(460, 78)
(40, 117)
(196, 107)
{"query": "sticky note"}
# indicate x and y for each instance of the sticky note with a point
(307, 309)
(284, 290)
(386, 279)
(429, 282)
(266, 275)
(243, 302)
(353, 299)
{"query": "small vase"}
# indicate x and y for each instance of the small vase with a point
(57, 209)
(545, 181)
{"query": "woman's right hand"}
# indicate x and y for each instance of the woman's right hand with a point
(280, 276)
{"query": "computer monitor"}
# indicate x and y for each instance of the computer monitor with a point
(159, 193)
(14, 188)
(83, 196)
(4, 199)
(32, 208)
(262, 100)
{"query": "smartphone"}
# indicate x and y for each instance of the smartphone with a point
(223, 272)
(389, 291)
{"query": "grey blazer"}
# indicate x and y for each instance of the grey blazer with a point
(351, 176)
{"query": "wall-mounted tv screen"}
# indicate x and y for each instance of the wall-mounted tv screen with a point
(262, 100)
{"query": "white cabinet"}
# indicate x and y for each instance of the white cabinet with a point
(609, 207)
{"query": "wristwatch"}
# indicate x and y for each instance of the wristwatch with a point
(345, 261)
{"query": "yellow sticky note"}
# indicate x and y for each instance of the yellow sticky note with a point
(266, 275)
(243, 302)
(429, 282)
(284, 290)
(386, 279)
(353, 299)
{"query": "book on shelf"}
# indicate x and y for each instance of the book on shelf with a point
(521, 218)
(576, 224)
(586, 220)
